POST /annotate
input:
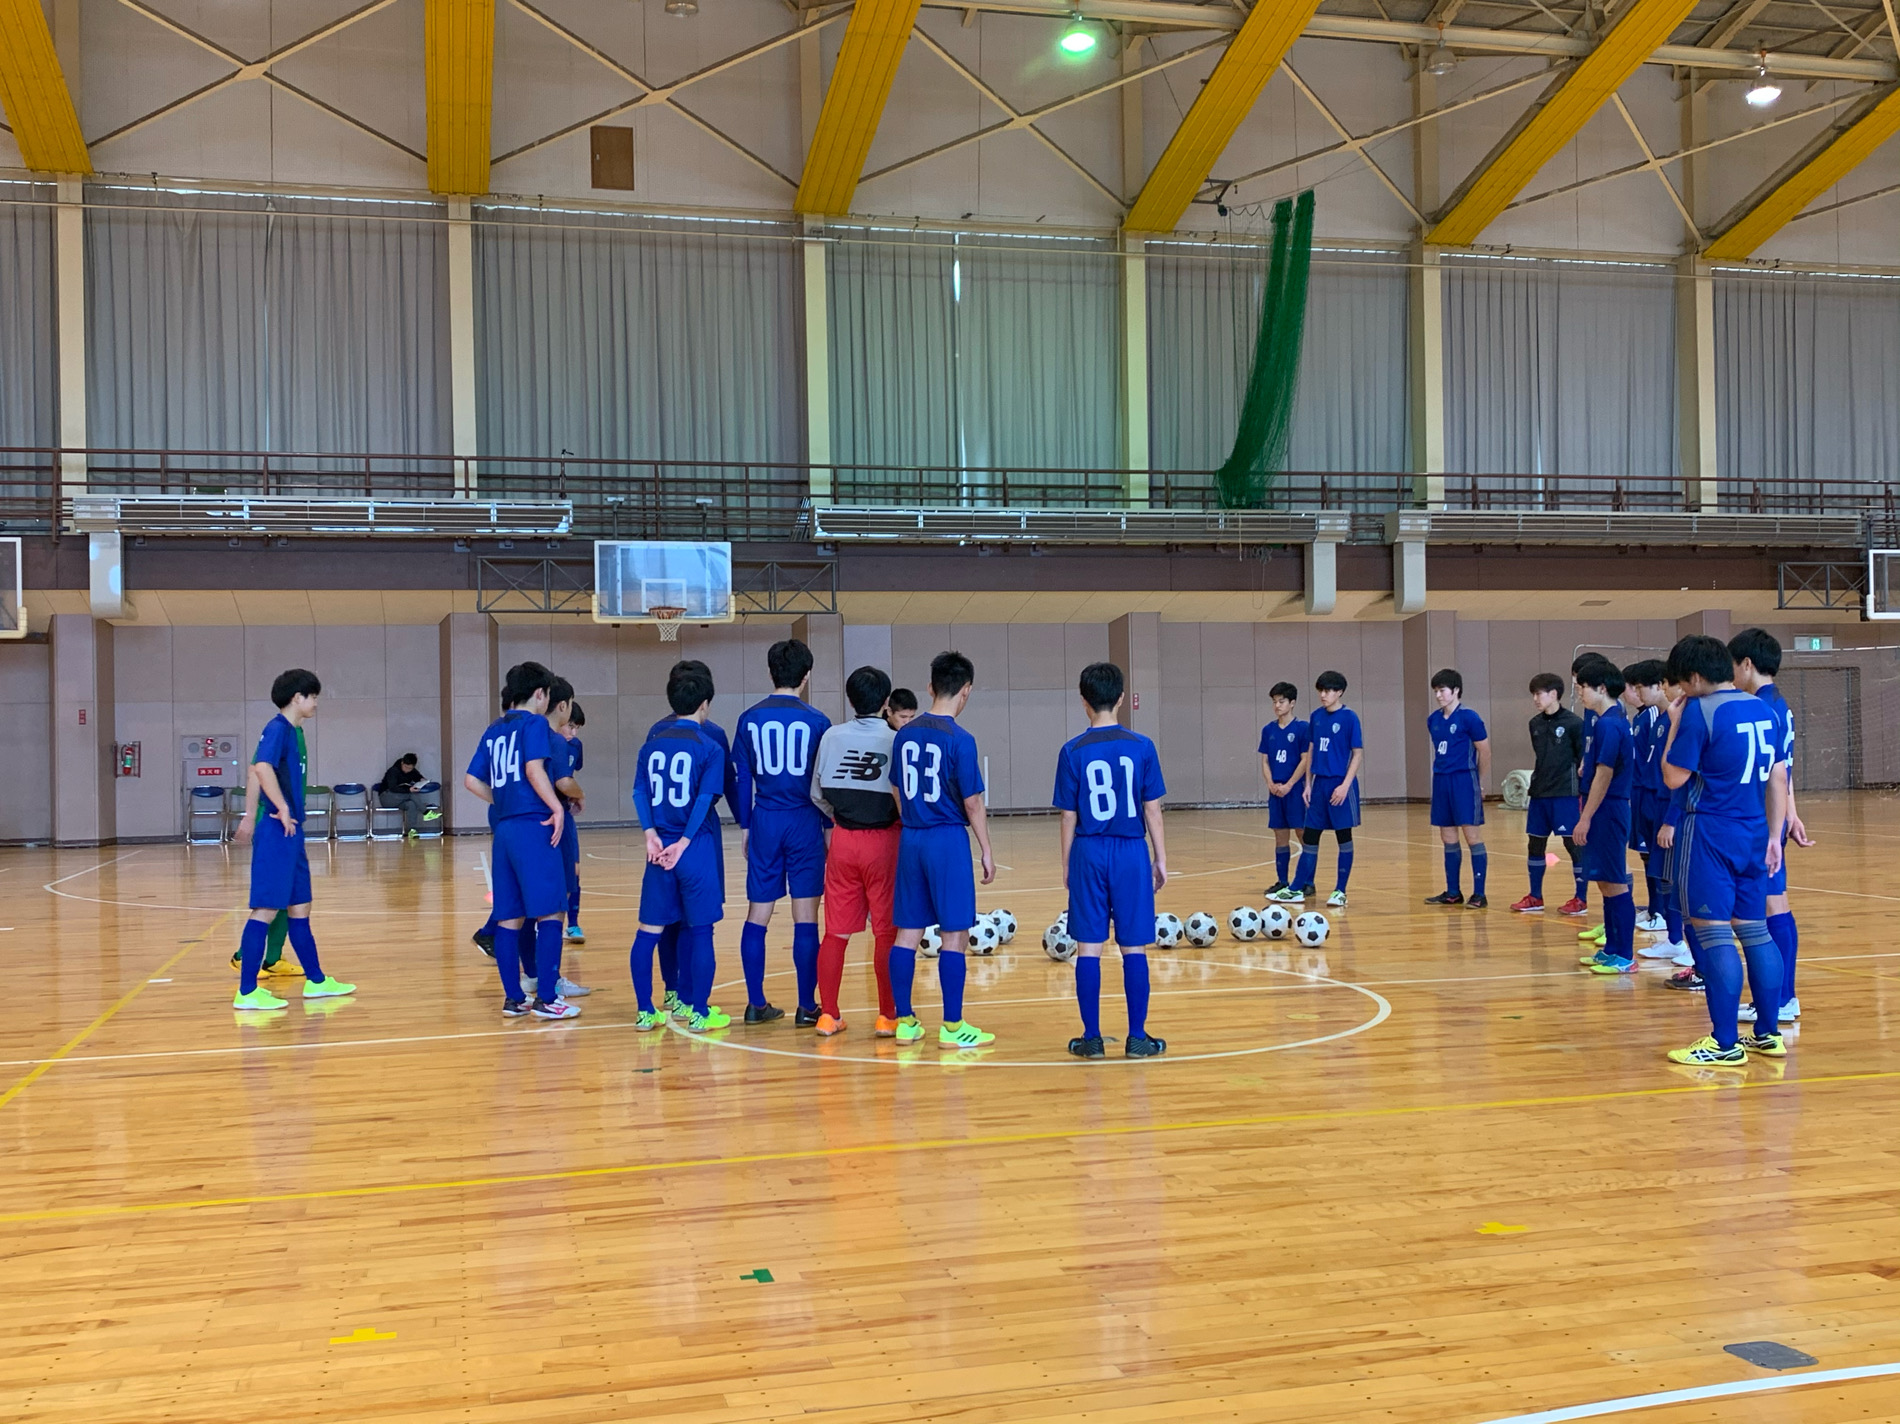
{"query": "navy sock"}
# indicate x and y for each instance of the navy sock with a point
(700, 939)
(640, 967)
(1537, 867)
(1088, 993)
(508, 962)
(1655, 895)
(488, 925)
(574, 906)
(668, 950)
(805, 963)
(1282, 857)
(1763, 957)
(1135, 986)
(752, 961)
(547, 959)
(1722, 979)
(1693, 938)
(304, 945)
(1787, 938)
(524, 949)
(251, 947)
(1619, 926)
(1454, 870)
(950, 971)
(1671, 913)
(903, 976)
(1576, 868)
(1309, 866)
(1345, 867)
(1480, 867)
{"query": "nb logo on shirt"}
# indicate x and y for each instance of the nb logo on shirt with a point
(863, 766)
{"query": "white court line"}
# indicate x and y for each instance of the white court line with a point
(89, 870)
(1256, 836)
(1852, 894)
(1705, 1391)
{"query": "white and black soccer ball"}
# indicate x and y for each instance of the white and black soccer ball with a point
(1202, 929)
(1168, 931)
(984, 937)
(1275, 921)
(1244, 922)
(1005, 924)
(1057, 944)
(931, 945)
(1062, 921)
(1311, 929)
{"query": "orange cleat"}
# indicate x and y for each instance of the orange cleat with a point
(827, 1026)
(886, 1028)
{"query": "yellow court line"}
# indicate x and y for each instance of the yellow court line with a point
(127, 997)
(872, 1149)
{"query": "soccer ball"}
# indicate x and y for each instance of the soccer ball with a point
(1311, 929)
(1202, 929)
(1168, 931)
(1062, 921)
(1244, 922)
(931, 945)
(983, 937)
(1057, 944)
(1276, 921)
(1005, 925)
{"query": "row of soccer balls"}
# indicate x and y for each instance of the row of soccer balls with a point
(998, 927)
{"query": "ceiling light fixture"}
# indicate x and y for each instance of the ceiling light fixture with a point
(1763, 91)
(1079, 38)
(1441, 61)
(682, 7)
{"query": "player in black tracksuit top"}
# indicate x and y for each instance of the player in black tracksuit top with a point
(1557, 742)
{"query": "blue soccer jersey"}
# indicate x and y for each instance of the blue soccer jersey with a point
(1455, 737)
(1649, 730)
(937, 769)
(1610, 746)
(677, 778)
(1784, 720)
(574, 747)
(1732, 742)
(1336, 736)
(1106, 776)
(514, 740)
(1284, 746)
(278, 749)
(561, 761)
(1586, 769)
(776, 742)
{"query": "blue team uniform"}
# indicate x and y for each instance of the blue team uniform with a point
(678, 776)
(1587, 768)
(564, 759)
(776, 743)
(1283, 747)
(717, 733)
(530, 881)
(1649, 798)
(934, 768)
(1106, 776)
(280, 866)
(1605, 853)
(1456, 800)
(1732, 742)
(1784, 719)
(1336, 735)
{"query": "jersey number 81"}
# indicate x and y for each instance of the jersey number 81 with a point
(1102, 788)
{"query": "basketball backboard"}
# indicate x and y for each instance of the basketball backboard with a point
(634, 576)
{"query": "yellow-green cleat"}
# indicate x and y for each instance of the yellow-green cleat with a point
(259, 998)
(711, 1019)
(330, 987)
(648, 1020)
(963, 1035)
(909, 1030)
(1706, 1053)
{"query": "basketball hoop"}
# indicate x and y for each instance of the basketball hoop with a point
(666, 617)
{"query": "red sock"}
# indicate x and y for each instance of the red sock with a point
(830, 973)
(881, 965)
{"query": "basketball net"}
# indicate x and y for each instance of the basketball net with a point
(667, 620)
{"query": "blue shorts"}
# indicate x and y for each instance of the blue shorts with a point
(1778, 882)
(571, 853)
(530, 877)
(1723, 874)
(1323, 815)
(280, 867)
(1455, 799)
(692, 893)
(935, 882)
(1284, 813)
(1552, 816)
(1605, 857)
(785, 848)
(1111, 878)
(1646, 813)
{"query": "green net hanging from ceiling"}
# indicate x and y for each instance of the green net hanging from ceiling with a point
(1266, 411)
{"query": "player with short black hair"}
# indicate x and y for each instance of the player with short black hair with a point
(563, 763)
(1109, 790)
(677, 778)
(1757, 655)
(576, 719)
(510, 772)
(851, 781)
(939, 794)
(1602, 830)
(1557, 750)
(900, 707)
(1331, 792)
(774, 746)
(1724, 751)
(1286, 747)
(1461, 763)
(280, 865)
(1649, 799)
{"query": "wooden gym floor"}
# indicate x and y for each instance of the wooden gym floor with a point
(1429, 1172)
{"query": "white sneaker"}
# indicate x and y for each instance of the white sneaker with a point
(1683, 957)
(1336, 900)
(1659, 949)
(1650, 924)
(1745, 1014)
(556, 1009)
(1791, 1009)
(568, 989)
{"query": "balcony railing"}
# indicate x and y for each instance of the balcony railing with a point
(766, 502)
